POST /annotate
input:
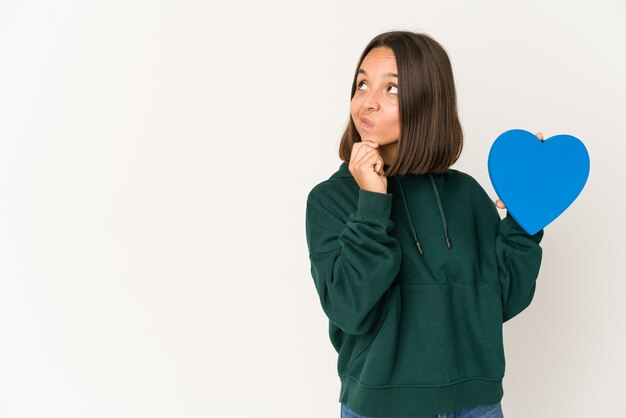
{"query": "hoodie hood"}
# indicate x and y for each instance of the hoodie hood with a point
(344, 172)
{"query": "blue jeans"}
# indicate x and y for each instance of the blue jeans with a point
(481, 411)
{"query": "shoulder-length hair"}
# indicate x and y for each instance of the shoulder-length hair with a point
(431, 137)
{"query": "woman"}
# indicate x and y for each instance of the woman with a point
(413, 266)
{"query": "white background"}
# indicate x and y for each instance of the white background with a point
(155, 159)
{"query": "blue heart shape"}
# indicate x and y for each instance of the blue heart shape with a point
(537, 180)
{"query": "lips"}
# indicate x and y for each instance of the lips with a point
(368, 123)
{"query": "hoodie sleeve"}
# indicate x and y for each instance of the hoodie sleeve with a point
(353, 261)
(519, 259)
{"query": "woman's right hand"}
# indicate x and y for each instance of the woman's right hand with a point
(366, 166)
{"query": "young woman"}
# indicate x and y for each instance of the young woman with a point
(414, 268)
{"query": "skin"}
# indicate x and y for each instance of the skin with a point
(376, 98)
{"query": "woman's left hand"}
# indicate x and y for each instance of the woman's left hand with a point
(500, 203)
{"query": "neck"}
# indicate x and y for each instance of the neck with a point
(388, 152)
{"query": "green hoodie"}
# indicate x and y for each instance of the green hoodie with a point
(416, 284)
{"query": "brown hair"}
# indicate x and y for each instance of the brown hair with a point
(431, 137)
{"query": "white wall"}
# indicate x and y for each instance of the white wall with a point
(155, 159)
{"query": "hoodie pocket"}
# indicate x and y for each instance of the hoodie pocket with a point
(434, 334)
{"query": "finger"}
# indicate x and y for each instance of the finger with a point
(355, 155)
(540, 135)
(376, 161)
(361, 151)
(378, 167)
(365, 147)
(381, 166)
(371, 161)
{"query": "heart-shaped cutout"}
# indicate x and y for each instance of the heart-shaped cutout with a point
(537, 180)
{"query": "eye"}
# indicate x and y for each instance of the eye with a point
(393, 86)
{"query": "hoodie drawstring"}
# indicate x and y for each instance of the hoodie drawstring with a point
(443, 216)
(441, 213)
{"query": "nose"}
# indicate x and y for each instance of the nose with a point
(370, 101)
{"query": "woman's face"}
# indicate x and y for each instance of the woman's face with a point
(376, 98)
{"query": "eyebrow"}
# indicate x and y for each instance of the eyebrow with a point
(362, 71)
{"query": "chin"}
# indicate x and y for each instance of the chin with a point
(369, 138)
